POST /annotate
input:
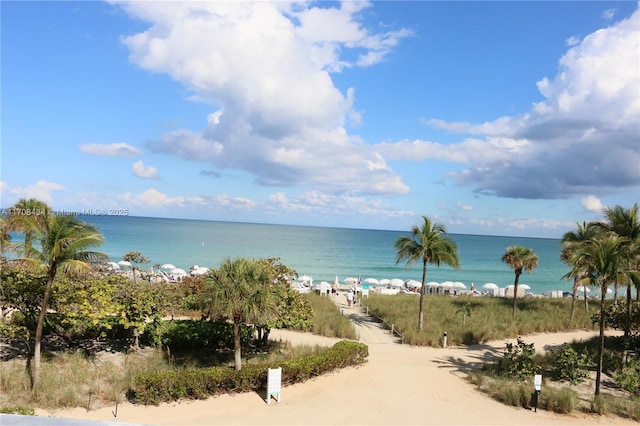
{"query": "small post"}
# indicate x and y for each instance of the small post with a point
(444, 340)
(537, 386)
(89, 402)
(392, 329)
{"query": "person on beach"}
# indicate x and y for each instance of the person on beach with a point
(349, 298)
(334, 288)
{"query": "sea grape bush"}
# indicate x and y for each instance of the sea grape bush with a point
(519, 360)
(571, 365)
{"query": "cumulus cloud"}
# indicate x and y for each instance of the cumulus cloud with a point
(154, 198)
(583, 138)
(41, 190)
(110, 150)
(592, 204)
(143, 171)
(268, 67)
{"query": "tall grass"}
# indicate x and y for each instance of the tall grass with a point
(491, 317)
(72, 380)
(327, 319)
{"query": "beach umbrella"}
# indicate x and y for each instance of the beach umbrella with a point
(305, 279)
(350, 280)
(583, 289)
(193, 267)
(125, 263)
(168, 266)
(490, 286)
(397, 282)
(413, 284)
(178, 271)
(447, 284)
(459, 285)
(201, 270)
(432, 284)
(113, 266)
(385, 281)
(525, 286)
(371, 281)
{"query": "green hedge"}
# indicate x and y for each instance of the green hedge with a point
(200, 383)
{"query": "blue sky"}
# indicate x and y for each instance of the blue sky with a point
(495, 118)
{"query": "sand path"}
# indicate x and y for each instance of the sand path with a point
(399, 385)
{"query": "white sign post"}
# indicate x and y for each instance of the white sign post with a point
(274, 383)
(537, 386)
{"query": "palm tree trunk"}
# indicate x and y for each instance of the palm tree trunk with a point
(601, 339)
(586, 305)
(236, 345)
(421, 314)
(627, 322)
(573, 300)
(515, 293)
(37, 349)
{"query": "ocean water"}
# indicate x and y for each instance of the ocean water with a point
(322, 253)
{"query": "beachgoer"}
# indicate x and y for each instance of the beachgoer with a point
(349, 298)
(334, 288)
(473, 289)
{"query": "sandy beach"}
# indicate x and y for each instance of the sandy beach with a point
(399, 385)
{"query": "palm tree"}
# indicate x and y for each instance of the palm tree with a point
(430, 244)
(519, 259)
(600, 260)
(571, 242)
(25, 216)
(465, 310)
(5, 237)
(241, 291)
(63, 243)
(625, 223)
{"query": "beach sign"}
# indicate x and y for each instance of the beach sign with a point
(274, 383)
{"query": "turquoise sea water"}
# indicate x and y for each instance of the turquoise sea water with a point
(320, 252)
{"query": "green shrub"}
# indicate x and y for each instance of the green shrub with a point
(162, 386)
(571, 365)
(23, 411)
(519, 360)
(629, 376)
(195, 334)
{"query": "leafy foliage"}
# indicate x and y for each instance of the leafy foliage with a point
(629, 376)
(519, 360)
(571, 365)
(163, 386)
(615, 316)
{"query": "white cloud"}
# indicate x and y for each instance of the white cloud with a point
(41, 190)
(581, 139)
(592, 204)
(465, 207)
(110, 150)
(152, 198)
(142, 171)
(262, 63)
(609, 14)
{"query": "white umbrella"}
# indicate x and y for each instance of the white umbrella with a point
(350, 280)
(459, 285)
(525, 286)
(447, 284)
(201, 270)
(125, 263)
(113, 266)
(583, 289)
(385, 281)
(490, 286)
(397, 282)
(305, 278)
(413, 284)
(168, 266)
(372, 281)
(178, 271)
(194, 267)
(432, 284)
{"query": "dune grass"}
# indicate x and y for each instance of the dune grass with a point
(327, 319)
(490, 318)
